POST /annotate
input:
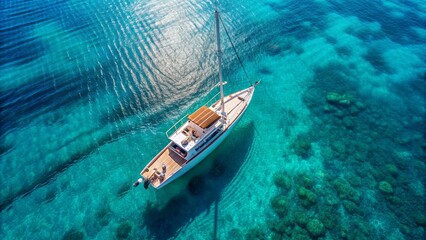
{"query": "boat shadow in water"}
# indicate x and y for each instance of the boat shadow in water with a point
(204, 189)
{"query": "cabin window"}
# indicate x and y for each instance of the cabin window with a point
(208, 139)
(179, 150)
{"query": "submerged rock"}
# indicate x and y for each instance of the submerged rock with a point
(405, 229)
(343, 100)
(420, 219)
(302, 146)
(385, 187)
(315, 228)
(306, 181)
(301, 218)
(342, 106)
(354, 180)
(308, 195)
(328, 216)
(279, 204)
(350, 206)
(346, 191)
(281, 180)
(391, 169)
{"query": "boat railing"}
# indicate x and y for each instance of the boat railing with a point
(178, 124)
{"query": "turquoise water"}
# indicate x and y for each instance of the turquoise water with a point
(332, 146)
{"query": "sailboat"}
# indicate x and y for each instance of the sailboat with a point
(196, 135)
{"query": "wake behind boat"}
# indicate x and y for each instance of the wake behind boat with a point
(196, 135)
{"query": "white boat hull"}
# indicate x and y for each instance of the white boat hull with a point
(197, 159)
(202, 155)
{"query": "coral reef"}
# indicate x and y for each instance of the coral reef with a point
(302, 146)
(328, 215)
(345, 190)
(356, 135)
(301, 218)
(315, 228)
(420, 219)
(350, 206)
(385, 187)
(307, 196)
(279, 204)
(281, 180)
(305, 181)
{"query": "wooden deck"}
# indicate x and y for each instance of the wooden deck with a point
(173, 162)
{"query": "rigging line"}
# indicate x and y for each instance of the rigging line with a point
(235, 50)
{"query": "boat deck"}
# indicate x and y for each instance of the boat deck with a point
(234, 104)
(173, 162)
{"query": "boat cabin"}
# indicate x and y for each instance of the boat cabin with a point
(189, 139)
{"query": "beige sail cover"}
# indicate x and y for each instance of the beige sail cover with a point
(204, 117)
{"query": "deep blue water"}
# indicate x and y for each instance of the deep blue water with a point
(332, 146)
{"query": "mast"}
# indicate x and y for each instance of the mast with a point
(219, 56)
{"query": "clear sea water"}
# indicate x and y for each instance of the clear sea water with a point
(332, 146)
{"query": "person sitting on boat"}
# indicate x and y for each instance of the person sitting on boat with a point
(194, 134)
(185, 141)
(161, 176)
